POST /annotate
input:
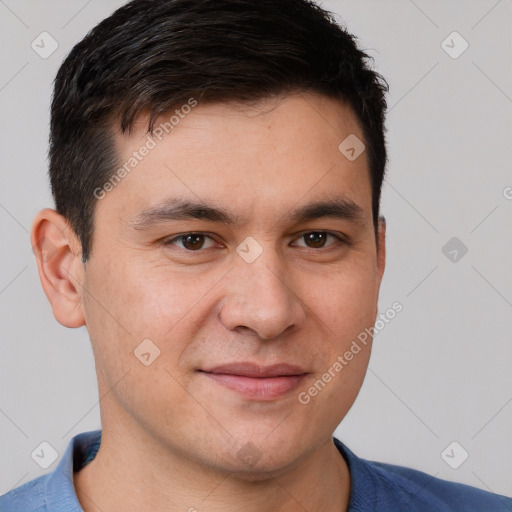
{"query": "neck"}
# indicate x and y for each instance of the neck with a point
(133, 472)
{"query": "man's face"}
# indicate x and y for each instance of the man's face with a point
(268, 287)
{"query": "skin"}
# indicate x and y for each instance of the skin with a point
(171, 435)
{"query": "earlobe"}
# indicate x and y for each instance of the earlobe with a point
(58, 255)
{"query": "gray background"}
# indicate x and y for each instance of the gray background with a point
(440, 371)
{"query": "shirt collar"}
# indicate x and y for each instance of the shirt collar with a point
(59, 488)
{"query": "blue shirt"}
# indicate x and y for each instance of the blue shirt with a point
(376, 486)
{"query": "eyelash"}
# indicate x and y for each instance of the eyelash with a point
(339, 240)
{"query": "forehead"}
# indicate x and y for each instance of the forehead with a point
(269, 155)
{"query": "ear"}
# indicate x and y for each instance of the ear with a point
(381, 247)
(58, 253)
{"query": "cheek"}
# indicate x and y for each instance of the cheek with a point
(345, 311)
(136, 303)
(345, 302)
(127, 308)
(143, 300)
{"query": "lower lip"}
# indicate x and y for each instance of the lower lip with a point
(258, 388)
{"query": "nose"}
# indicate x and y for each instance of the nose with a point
(260, 300)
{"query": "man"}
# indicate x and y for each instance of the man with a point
(216, 167)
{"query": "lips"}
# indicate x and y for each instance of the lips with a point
(257, 371)
(257, 382)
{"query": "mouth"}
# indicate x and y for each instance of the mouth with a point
(257, 382)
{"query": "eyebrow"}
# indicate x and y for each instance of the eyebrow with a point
(175, 208)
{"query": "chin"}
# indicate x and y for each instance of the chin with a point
(259, 461)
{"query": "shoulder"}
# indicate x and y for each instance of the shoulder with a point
(54, 492)
(406, 486)
(391, 488)
(29, 497)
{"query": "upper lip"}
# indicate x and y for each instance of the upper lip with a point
(246, 369)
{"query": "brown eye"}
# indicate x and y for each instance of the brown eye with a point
(191, 241)
(316, 239)
(319, 240)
